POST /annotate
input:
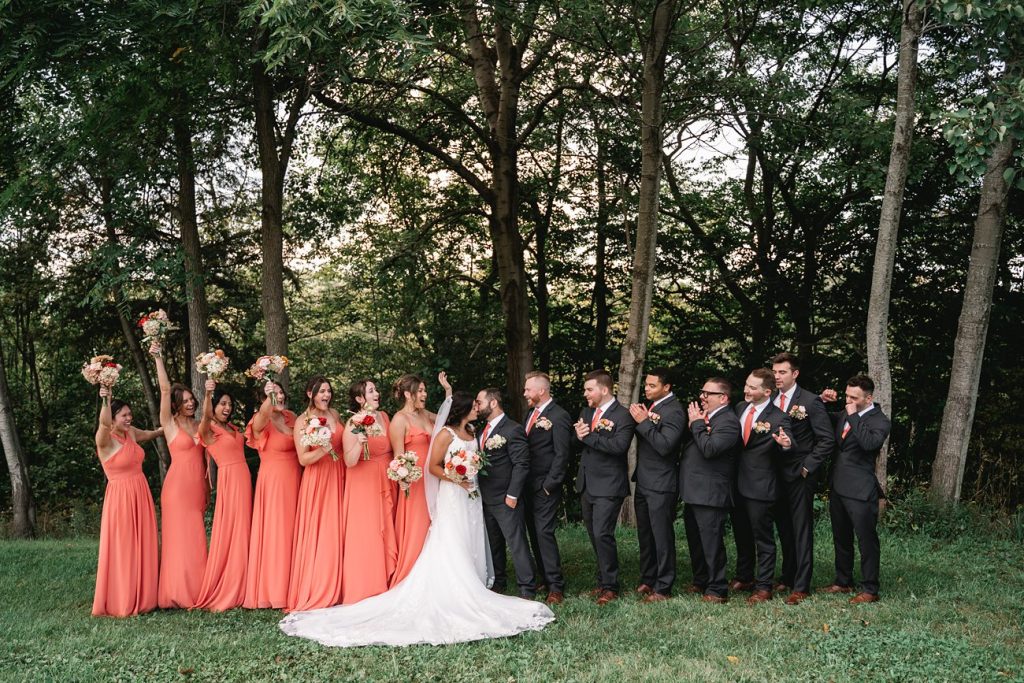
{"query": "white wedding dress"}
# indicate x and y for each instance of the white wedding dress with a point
(443, 600)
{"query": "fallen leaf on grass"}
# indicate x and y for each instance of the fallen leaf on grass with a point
(824, 627)
(733, 658)
(187, 672)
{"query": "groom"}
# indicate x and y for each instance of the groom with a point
(504, 444)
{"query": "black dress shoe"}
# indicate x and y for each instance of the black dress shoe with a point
(527, 595)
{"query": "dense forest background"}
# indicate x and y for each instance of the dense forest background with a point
(378, 187)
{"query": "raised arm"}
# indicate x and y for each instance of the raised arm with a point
(144, 435)
(205, 433)
(261, 418)
(166, 418)
(106, 422)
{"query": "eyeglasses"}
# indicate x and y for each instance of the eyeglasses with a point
(705, 394)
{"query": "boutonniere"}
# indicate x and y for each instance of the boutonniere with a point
(654, 418)
(605, 425)
(543, 423)
(495, 442)
(762, 427)
(798, 413)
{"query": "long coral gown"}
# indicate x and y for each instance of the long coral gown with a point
(126, 573)
(371, 548)
(273, 516)
(223, 585)
(315, 580)
(183, 501)
(411, 518)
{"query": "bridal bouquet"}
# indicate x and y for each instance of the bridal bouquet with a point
(268, 368)
(405, 471)
(155, 326)
(365, 422)
(213, 364)
(317, 434)
(465, 466)
(101, 370)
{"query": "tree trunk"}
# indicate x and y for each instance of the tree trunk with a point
(969, 347)
(601, 313)
(22, 504)
(128, 330)
(195, 287)
(877, 333)
(634, 349)
(499, 100)
(274, 153)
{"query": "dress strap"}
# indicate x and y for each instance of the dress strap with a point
(451, 431)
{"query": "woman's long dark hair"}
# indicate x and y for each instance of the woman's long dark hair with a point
(358, 390)
(462, 405)
(178, 391)
(313, 387)
(218, 394)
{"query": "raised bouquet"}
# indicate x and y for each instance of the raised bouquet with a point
(101, 370)
(213, 364)
(464, 466)
(405, 471)
(268, 368)
(317, 434)
(155, 326)
(365, 422)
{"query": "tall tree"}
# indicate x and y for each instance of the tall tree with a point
(889, 223)
(24, 508)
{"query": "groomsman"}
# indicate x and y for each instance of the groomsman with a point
(503, 441)
(660, 427)
(549, 433)
(860, 432)
(605, 429)
(706, 473)
(765, 431)
(813, 442)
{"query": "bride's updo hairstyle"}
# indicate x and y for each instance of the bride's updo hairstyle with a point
(406, 384)
(313, 388)
(462, 404)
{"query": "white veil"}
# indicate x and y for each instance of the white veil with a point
(430, 482)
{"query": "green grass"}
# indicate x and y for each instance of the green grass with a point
(950, 610)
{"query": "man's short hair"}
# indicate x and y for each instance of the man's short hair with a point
(602, 377)
(542, 376)
(494, 394)
(664, 375)
(786, 357)
(724, 385)
(766, 377)
(862, 382)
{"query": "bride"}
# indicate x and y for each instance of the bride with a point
(445, 598)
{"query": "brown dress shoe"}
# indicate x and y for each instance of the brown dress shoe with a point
(595, 593)
(861, 598)
(759, 596)
(796, 597)
(780, 588)
(715, 599)
(737, 585)
(644, 589)
(555, 598)
(694, 588)
(655, 597)
(836, 588)
(606, 597)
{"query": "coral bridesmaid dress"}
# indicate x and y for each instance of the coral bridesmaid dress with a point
(273, 516)
(412, 519)
(315, 581)
(223, 585)
(183, 502)
(371, 550)
(126, 575)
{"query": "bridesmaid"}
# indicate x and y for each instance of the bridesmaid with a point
(223, 585)
(411, 431)
(371, 551)
(319, 536)
(126, 574)
(277, 493)
(184, 495)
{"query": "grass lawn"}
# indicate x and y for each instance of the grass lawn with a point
(950, 610)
